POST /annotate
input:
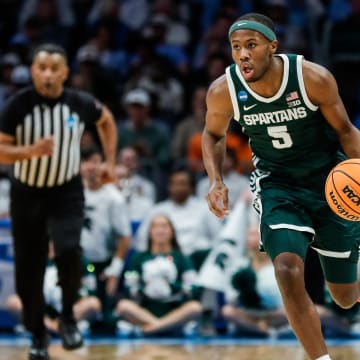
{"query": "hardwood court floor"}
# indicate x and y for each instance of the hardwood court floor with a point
(126, 351)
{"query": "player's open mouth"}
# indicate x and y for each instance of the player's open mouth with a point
(247, 71)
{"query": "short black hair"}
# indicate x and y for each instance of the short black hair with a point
(50, 48)
(260, 18)
(89, 151)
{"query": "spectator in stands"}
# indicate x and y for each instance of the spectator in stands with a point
(55, 17)
(196, 228)
(160, 284)
(238, 143)
(215, 64)
(132, 13)
(5, 173)
(236, 182)
(105, 236)
(143, 133)
(137, 184)
(99, 78)
(256, 306)
(86, 309)
(156, 33)
(138, 204)
(8, 63)
(191, 124)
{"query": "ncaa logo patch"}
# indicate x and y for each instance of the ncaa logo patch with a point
(71, 121)
(242, 95)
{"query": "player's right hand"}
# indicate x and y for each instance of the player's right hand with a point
(218, 199)
(42, 147)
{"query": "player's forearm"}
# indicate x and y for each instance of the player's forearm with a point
(350, 142)
(213, 152)
(11, 153)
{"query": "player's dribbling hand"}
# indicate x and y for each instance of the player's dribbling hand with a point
(217, 199)
(42, 147)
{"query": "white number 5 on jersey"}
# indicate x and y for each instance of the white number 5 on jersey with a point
(280, 132)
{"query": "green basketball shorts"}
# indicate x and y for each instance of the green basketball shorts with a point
(295, 217)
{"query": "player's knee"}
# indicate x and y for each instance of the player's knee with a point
(344, 300)
(288, 274)
(345, 303)
(344, 295)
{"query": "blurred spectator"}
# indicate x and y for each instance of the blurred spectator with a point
(138, 204)
(109, 40)
(177, 15)
(141, 132)
(106, 232)
(86, 309)
(256, 304)
(236, 183)
(20, 77)
(156, 33)
(214, 66)
(97, 77)
(233, 141)
(8, 62)
(160, 284)
(5, 173)
(215, 39)
(137, 184)
(196, 227)
(132, 13)
(168, 93)
(55, 18)
(191, 124)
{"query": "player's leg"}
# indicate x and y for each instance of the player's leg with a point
(30, 249)
(65, 224)
(337, 243)
(287, 248)
(341, 280)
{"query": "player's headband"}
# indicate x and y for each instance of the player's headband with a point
(253, 25)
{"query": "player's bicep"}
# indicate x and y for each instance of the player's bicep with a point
(219, 109)
(317, 79)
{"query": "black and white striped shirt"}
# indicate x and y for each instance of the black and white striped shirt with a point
(28, 117)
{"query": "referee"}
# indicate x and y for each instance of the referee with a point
(40, 131)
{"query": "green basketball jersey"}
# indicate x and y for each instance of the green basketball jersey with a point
(288, 135)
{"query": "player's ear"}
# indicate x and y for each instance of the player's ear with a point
(273, 46)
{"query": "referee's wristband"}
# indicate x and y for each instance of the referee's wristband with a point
(115, 268)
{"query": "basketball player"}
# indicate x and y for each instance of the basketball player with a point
(40, 131)
(291, 110)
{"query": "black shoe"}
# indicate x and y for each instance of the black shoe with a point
(70, 334)
(39, 348)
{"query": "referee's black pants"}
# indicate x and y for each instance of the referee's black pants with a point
(37, 216)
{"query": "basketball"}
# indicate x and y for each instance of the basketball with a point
(342, 189)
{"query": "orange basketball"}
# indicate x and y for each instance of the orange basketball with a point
(342, 189)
